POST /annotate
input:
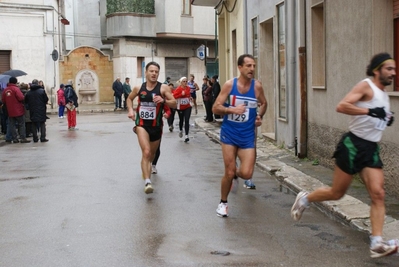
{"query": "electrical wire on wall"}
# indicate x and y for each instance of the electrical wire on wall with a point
(223, 4)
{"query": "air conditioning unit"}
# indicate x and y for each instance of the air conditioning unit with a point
(212, 3)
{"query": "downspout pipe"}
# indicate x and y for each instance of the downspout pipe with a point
(292, 55)
(216, 36)
(246, 27)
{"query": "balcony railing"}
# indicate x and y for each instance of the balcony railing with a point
(133, 6)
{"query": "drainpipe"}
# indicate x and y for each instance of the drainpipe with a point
(245, 27)
(292, 55)
(216, 36)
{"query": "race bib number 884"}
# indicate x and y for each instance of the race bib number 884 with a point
(147, 113)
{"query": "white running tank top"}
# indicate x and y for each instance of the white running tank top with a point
(367, 127)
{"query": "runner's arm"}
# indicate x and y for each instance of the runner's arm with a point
(219, 108)
(129, 102)
(360, 92)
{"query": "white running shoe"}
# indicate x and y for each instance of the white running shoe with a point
(221, 211)
(298, 208)
(382, 249)
(154, 169)
(148, 188)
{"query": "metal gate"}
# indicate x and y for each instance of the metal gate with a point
(175, 68)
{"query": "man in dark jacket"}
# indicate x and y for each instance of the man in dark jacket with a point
(36, 102)
(118, 91)
(71, 99)
(13, 98)
(215, 90)
(126, 91)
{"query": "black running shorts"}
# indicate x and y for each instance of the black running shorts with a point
(354, 153)
(155, 132)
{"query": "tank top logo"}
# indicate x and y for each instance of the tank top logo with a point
(143, 94)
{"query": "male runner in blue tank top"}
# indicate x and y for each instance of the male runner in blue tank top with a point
(152, 96)
(238, 102)
(358, 150)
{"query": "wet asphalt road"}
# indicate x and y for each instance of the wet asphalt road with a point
(78, 200)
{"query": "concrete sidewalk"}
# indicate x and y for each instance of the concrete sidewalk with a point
(296, 175)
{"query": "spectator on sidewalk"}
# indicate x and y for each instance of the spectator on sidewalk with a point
(36, 102)
(126, 91)
(118, 91)
(61, 101)
(215, 91)
(358, 150)
(28, 123)
(167, 81)
(71, 100)
(13, 98)
(208, 98)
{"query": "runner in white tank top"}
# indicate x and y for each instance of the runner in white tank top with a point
(358, 151)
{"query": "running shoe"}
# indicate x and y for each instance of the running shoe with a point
(249, 184)
(154, 169)
(180, 134)
(221, 211)
(382, 249)
(171, 128)
(187, 139)
(148, 188)
(298, 208)
(234, 185)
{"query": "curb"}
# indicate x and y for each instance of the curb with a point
(52, 112)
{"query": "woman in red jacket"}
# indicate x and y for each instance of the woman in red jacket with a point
(183, 98)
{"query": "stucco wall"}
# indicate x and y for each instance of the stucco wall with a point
(228, 22)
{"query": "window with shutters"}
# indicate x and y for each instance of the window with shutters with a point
(5, 59)
(140, 61)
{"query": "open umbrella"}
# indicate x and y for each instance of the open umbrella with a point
(4, 78)
(15, 73)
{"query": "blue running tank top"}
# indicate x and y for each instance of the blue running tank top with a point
(240, 129)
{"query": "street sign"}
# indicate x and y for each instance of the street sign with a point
(201, 50)
(54, 55)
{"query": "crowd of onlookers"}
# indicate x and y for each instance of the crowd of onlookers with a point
(23, 110)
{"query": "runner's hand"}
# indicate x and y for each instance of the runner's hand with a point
(377, 113)
(240, 109)
(131, 115)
